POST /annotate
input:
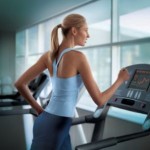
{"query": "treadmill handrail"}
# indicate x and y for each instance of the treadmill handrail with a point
(111, 141)
(98, 115)
(18, 112)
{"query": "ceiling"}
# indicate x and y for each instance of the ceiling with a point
(18, 14)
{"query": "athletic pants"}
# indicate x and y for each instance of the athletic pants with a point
(51, 132)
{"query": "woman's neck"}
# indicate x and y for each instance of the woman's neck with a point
(67, 43)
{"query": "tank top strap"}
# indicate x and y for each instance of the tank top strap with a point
(54, 68)
(62, 53)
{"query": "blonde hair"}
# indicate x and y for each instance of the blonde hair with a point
(72, 20)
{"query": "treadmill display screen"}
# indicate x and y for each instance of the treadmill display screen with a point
(140, 80)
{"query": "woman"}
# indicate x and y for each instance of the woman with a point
(69, 70)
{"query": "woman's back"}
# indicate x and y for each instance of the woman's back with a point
(65, 85)
(68, 63)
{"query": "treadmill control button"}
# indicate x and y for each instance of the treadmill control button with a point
(136, 94)
(131, 93)
(128, 93)
(139, 94)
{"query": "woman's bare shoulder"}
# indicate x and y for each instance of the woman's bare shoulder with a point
(46, 54)
(78, 54)
(46, 57)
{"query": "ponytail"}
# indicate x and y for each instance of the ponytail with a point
(72, 20)
(54, 42)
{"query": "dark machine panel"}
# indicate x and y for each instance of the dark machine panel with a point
(134, 94)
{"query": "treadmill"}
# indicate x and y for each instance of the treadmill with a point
(133, 96)
(10, 101)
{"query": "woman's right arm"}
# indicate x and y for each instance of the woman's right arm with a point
(22, 83)
(100, 98)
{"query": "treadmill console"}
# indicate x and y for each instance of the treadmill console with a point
(134, 94)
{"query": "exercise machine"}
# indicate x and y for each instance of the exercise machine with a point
(15, 121)
(15, 99)
(133, 96)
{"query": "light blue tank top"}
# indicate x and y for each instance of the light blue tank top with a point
(64, 92)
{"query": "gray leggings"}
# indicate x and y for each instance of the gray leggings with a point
(51, 132)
